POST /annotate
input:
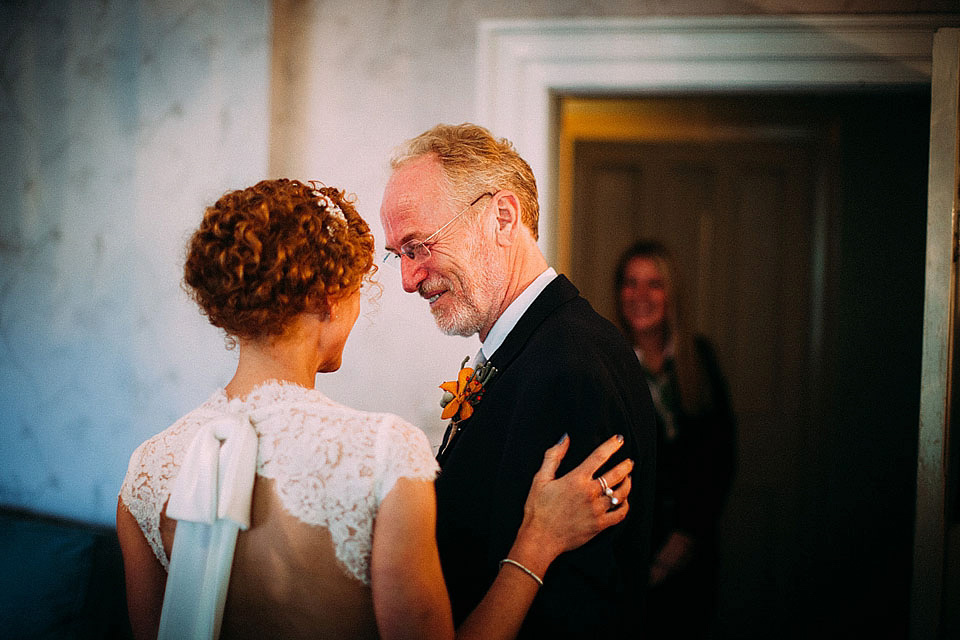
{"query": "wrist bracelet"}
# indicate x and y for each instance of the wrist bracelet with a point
(522, 568)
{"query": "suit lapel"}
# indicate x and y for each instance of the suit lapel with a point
(558, 292)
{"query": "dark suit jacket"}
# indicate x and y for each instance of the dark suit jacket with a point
(562, 369)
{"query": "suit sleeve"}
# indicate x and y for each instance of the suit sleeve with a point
(583, 586)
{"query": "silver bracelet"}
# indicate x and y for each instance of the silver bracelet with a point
(522, 568)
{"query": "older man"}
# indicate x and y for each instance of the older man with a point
(460, 213)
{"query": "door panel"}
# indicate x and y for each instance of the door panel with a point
(801, 224)
(736, 215)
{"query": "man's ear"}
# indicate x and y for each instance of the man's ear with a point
(507, 212)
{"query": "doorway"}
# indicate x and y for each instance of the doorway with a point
(799, 224)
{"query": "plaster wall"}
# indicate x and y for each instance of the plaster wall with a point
(352, 81)
(120, 121)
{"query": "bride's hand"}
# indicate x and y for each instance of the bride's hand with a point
(564, 513)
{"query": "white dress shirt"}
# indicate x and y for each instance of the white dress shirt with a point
(512, 314)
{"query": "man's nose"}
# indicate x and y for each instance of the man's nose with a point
(412, 274)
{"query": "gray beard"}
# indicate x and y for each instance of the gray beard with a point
(469, 318)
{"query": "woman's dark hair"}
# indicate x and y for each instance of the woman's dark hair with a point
(656, 252)
(695, 392)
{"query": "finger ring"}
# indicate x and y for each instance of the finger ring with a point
(614, 501)
(606, 490)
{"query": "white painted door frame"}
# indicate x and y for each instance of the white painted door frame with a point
(523, 64)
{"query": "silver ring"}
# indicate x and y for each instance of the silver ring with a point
(604, 488)
(614, 501)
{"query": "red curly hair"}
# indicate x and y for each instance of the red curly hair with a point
(264, 254)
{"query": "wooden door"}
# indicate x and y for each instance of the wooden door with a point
(737, 214)
(801, 225)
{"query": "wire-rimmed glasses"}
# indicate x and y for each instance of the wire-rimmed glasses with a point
(419, 250)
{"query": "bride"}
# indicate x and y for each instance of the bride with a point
(335, 507)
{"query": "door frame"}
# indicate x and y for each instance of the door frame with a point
(522, 65)
(936, 531)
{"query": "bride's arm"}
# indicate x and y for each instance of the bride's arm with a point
(144, 575)
(409, 594)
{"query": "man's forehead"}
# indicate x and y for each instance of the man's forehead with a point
(413, 201)
(404, 211)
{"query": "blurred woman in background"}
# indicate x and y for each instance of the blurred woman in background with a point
(696, 446)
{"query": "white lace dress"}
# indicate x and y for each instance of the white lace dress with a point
(326, 465)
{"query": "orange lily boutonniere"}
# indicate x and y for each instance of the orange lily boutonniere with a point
(463, 394)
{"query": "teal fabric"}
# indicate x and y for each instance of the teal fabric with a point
(59, 580)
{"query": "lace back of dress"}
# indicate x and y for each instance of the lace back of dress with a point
(332, 465)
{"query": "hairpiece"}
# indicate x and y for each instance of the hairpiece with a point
(331, 208)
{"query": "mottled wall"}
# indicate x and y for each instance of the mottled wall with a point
(118, 121)
(121, 119)
(352, 80)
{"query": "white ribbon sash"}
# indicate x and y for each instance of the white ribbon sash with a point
(210, 500)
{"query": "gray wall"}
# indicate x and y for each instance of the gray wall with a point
(120, 120)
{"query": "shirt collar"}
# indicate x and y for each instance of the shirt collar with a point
(512, 314)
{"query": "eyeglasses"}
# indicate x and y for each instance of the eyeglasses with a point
(419, 250)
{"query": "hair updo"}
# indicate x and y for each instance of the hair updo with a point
(265, 254)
